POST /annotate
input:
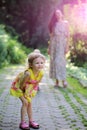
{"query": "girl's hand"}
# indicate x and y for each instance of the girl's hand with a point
(24, 100)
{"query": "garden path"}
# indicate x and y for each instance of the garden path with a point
(53, 108)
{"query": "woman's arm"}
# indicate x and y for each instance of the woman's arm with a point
(68, 38)
(49, 43)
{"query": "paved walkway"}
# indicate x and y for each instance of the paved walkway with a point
(53, 108)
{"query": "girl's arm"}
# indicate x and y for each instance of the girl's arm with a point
(25, 78)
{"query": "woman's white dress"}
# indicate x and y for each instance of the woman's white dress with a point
(57, 47)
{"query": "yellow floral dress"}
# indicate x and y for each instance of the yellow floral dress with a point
(30, 87)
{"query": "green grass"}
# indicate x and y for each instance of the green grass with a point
(11, 67)
(1, 90)
(77, 86)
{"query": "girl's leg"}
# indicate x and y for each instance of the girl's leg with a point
(23, 112)
(23, 108)
(23, 124)
(29, 111)
(32, 123)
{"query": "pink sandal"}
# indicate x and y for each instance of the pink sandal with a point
(34, 125)
(24, 126)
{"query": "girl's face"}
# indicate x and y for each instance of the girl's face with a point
(38, 64)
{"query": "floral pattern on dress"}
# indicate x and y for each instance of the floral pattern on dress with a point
(29, 88)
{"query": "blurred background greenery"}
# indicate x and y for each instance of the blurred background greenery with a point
(24, 27)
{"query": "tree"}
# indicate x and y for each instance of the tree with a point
(29, 18)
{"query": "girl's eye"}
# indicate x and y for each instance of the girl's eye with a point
(41, 62)
(37, 63)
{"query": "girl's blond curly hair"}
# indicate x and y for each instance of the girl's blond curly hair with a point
(33, 55)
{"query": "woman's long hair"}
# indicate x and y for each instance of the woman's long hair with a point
(52, 23)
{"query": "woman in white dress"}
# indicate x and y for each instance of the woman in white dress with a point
(58, 47)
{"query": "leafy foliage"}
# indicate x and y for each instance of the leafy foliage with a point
(78, 73)
(3, 46)
(78, 49)
(29, 18)
(11, 51)
(15, 52)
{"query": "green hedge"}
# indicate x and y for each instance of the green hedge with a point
(11, 51)
(78, 49)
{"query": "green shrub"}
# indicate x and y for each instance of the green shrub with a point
(85, 65)
(3, 53)
(78, 49)
(15, 52)
(3, 46)
(11, 51)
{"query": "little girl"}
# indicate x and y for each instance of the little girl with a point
(25, 87)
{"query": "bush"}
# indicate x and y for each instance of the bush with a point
(3, 53)
(3, 46)
(11, 51)
(15, 52)
(78, 49)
